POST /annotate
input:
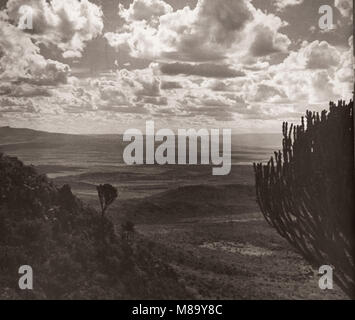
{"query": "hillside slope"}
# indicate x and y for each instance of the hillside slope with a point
(74, 253)
(190, 201)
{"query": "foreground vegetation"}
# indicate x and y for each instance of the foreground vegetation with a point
(74, 251)
(307, 191)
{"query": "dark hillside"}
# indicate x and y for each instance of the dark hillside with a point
(190, 202)
(74, 253)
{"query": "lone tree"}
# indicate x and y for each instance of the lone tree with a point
(107, 195)
(306, 192)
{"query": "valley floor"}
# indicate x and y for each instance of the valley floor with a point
(235, 257)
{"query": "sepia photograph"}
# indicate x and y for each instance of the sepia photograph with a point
(177, 150)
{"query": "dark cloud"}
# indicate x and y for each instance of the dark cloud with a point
(224, 18)
(192, 54)
(23, 90)
(138, 109)
(216, 85)
(169, 85)
(150, 88)
(11, 106)
(266, 43)
(265, 92)
(224, 113)
(320, 55)
(202, 70)
(158, 101)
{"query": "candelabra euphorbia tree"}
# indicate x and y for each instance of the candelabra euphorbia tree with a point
(306, 191)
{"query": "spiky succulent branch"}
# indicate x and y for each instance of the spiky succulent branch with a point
(306, 191)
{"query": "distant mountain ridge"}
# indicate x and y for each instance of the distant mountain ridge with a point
(10, 135)
(15, 135)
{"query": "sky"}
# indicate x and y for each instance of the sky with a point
(105, 66)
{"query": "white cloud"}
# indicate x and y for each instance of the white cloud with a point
(212, 31)
(149, 10)
(282, 4)
(316, 73)
(68, 24)
(345, 7)
(267, 42)
(315, 55)
(20, 59)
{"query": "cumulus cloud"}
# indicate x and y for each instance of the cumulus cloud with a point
(267, 93)
(216, 85)
(212, 31)
(316, 73)
(267, 42)
(127, 89)
(345, 7)
(282, 4)
(68, 25)
(20, 59)
(315, 55)
(149, 10)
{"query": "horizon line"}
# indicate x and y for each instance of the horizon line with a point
(121, 133)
